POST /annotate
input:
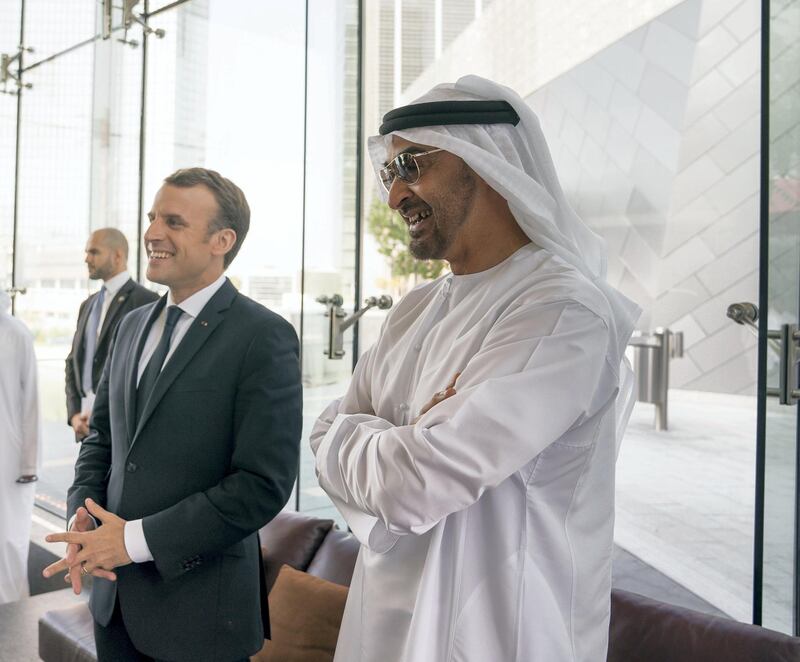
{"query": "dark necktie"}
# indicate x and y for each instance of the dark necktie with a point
(156, 362)
(90, 341)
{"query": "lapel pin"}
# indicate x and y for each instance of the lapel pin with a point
(122, 298)
(203, 323)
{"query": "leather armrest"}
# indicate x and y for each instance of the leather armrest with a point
(291, 538)
(335, 559)
(646, 630)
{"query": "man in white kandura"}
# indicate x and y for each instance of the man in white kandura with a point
(20, 432)
(485, 512)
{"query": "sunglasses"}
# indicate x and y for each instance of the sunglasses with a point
(403, 167)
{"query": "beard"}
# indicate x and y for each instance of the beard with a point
(450, 212)
(433, 246)
(97, 274)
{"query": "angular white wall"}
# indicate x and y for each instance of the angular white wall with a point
(527, 43)
(656, 142)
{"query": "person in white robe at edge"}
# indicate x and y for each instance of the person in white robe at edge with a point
(473, 453)
(20, 431)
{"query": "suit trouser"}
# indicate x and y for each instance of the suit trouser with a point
(115, 645)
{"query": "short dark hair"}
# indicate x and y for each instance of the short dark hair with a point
(232, 209)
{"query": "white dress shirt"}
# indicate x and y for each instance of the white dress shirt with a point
(135, 542)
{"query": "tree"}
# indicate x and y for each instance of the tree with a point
(391, 234)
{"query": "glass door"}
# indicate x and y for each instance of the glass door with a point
(9, 42)
(246, 88)
(329, 280)
(53, 214)
(776, 586)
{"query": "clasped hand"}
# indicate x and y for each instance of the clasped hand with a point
(90, 550)
(447, 392)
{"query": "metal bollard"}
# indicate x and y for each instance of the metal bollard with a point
(652, 353)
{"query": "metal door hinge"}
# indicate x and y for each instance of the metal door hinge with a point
(788, 336)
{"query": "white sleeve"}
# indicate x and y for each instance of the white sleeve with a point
(135, 542)
(537, 375)
(356, 400)
(31, 423)
(364, 526)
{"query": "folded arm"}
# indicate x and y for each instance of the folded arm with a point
(535, 377)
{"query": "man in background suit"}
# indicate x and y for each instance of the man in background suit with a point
(107, 260)
(193, 446)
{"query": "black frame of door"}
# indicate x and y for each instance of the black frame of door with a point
(763, 305)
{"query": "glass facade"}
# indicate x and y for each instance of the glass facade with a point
(9, 41)
(653, 121)
(223, 86)
(53, 210)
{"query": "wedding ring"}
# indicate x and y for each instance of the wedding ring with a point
(84, 571)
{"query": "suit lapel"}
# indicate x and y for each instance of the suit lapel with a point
(80, 333)
(199, 332)
(113, 309)
(132, 368)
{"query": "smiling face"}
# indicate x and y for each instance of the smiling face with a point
(438, 207)
(182, 254)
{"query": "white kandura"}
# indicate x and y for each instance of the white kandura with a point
(487, 525)
(20, 450)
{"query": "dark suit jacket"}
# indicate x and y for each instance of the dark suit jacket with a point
(212, 459)
(131, 295)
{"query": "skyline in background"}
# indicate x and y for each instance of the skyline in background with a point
(226, 90)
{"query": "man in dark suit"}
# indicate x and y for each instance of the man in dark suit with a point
(107, 260)
(193, 446)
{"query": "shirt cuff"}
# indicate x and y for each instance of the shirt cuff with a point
(135, 542)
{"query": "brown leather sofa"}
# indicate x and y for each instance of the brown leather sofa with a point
(642, 629)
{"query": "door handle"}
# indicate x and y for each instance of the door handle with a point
(784, 341)
(338, 323)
